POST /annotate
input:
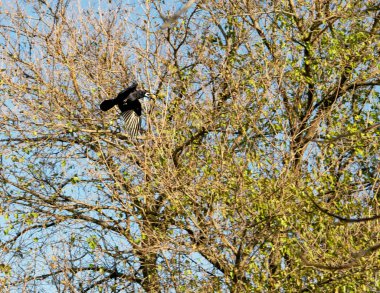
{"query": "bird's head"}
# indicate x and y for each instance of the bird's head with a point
(137, 95)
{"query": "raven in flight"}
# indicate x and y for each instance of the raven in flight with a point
(130, 107)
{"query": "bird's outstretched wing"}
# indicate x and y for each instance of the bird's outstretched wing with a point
(125, 93)
(132, 122)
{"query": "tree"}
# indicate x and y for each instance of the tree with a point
(259, 165)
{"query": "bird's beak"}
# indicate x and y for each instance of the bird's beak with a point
(149, 96)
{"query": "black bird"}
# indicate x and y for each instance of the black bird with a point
(130, 107)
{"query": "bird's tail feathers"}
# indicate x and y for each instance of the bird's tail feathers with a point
(107, 104)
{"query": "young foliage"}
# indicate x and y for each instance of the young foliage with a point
(258, 169)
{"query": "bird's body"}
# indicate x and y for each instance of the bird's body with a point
(130, 107)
